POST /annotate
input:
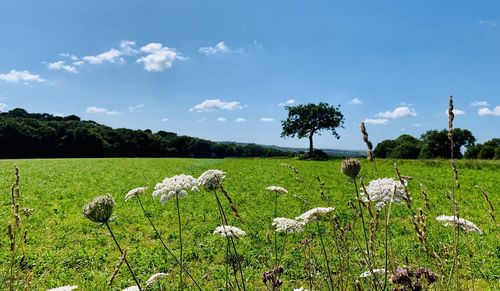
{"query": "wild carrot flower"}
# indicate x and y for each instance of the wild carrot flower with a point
(100, 209)
(313, 214)
(155, 278)
(131, 288)
(372, 272)
(461, 223)
(135, 192)
(63, 288)
(229, 231)
(287, 225)
(300, 289)
(350, 167)
(174, 186)
(211, 179)
(277, 189)
(383, 191)
(28, 211)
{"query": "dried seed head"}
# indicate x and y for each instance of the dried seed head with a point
(451, 116)
(100, 209)
(350, 167)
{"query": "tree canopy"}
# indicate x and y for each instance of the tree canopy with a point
(306, 120)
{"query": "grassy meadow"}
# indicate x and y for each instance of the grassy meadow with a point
(65, 248)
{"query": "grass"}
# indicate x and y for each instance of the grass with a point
(64, 248)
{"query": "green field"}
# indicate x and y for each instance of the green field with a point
(64, 248)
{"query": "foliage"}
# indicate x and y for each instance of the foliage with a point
(305, 120)
(34, 135)
(489, 150)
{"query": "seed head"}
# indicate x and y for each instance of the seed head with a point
(100, 209)
(350, 167)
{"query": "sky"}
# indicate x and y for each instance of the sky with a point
(225, 70)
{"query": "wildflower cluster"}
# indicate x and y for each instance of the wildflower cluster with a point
(100, 209)
(211, 179)
(277, 189)
(135, 192)
(177, 185)
(383, 191)
(461, 223)
(287, 225)
(313, 214)
(229, 231)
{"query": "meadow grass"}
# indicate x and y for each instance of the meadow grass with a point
(64, 248)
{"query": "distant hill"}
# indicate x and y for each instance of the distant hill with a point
(43, 135)
(330, 152)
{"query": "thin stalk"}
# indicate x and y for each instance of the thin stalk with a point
(387, 217)
(227, 265)
(165, 245)
(121, 252)
(341, 264)
(181, 285)
(330, 287)
(375, 280)
(282, 249)
(224, 221)
(275, 239)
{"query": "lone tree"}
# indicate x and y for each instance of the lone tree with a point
(307, 119)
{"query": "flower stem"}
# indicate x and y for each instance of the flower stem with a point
(275, 236)
(165, 245)
(181, 285)
(121, 252)
(330, 286)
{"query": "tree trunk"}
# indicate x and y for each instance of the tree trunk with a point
(311, 143)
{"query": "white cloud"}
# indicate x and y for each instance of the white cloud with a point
(221, 119)
(376, 121)
(158, 57)
(58, 115)
(127, 47)
(68, 55)
(267, 119)
(287, 102)
(99, 110)
(14, 76)
(240, 119)
(479, 103)
(486, 111)
(3, 106)
(78, 63)
(202, 119)
(490, 23)
(164, 119)
(214, 104)
(219, 48)
(60, 65)
(455, 111)
(355, 101)
(111, 56)
(402, 111)
(416, 124)
(136, 108)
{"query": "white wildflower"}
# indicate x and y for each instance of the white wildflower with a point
(155, 278)
(383, 191)
(287, 225)
(229, 231)
(313, 214)
(277, 189)
(174, 186)
(374, 271)
(195, 189)
(132, 288)
(135, 192)
(211, 179)
(463, 224)
(63, 288)
(300, 289)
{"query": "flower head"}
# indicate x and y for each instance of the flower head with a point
(461, 223)
(372, 272)
(287, 225)
(28, 211)
(313, 214)
(174, 186)
(277, 189)
(229, 231)
(132, 288)
(383, 191)
(64, 288)
(350, 167)
(211, 179)
(99, 209)
(135, 192)
(155, 278)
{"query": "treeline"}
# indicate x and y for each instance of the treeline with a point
(436, 144)
(35, 135)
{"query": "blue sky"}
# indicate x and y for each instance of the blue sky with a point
(223, 70)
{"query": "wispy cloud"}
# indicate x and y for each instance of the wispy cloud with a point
(456, 111)
(216, 104)
(15, 76)
(61, 65)
(355, 101)
(219, 48)
(287, 102)
(158, 58)
(128, 48)
(480, 103)
(489, 23)
(99, 110)
(267, 119)
(111, 56)
(164, 119)
(403, 111)
(136, 108)
(486, 111)
(240, 119)
(221, 119)
(376, 121)
(3, 106)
